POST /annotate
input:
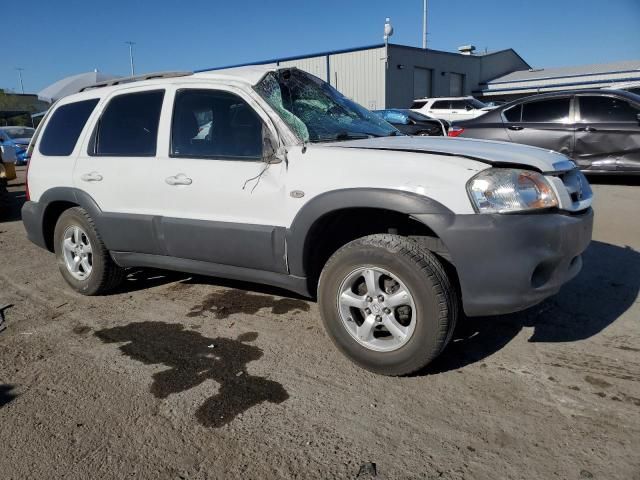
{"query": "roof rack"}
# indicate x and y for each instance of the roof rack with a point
(139, 78)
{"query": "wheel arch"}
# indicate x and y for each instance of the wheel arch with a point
(57, 200)
(346, 207)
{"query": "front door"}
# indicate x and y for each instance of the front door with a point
(607, 134)
(542, 123)
(221, 202)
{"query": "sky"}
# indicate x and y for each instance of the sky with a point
(54, 39)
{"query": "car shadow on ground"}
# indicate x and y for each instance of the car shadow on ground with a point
(192, 359)
(6, 394)
(606, 288)
(10, 208)
(629, 180)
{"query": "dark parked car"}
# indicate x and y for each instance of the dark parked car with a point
(414, 123)
(598, 129)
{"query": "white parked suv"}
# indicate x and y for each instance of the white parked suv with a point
(450, 108)
(296, 186)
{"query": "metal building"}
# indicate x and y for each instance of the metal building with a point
(539, 80)
(392, 76)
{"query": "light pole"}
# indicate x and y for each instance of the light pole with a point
(20, 70)
(424, 23)
(131, 44)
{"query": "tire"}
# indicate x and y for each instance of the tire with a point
(414, 269)
(104, 275)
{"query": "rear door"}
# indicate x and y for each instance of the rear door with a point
(607, 133)
(115, 166)
(543, 123)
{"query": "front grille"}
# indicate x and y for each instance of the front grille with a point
(578, 191)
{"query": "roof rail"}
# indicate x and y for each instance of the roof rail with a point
(139, 78)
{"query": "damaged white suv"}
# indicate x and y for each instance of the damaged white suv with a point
(270, 175)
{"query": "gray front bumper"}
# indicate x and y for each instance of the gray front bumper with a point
(506, 263)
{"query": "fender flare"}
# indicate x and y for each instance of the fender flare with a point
(34, 214)
(394, 200)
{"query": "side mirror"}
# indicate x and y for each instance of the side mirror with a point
(467, 107)
(269, 151)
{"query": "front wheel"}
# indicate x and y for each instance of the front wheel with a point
(83, 260)
(387, 303)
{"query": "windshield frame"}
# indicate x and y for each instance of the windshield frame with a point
(348, 121)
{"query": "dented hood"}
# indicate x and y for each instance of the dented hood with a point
(486, 151)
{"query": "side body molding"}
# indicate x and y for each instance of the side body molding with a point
(298, 241)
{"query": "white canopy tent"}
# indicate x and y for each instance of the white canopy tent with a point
(73, 84)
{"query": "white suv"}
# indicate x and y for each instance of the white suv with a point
(296, 186)
(451, 108)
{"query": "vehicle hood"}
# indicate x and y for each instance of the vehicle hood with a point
(21, 141)
(486, 151)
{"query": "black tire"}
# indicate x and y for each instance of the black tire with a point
(435, 298)
(105, 274)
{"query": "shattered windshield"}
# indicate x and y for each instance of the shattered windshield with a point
(316, 111)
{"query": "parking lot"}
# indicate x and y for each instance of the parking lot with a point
(177, 376)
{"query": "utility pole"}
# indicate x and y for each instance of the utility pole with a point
(20, 70)
(131, 44)
(424, 23)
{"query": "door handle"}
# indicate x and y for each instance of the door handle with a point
(586, 129)
(179, 179)
(91, 177)
(515, 127)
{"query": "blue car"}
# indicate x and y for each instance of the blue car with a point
(17, 138)
(414, 123)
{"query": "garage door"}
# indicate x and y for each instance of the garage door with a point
(421, 82)
(456, 84)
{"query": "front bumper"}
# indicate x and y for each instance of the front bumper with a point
(506, 263)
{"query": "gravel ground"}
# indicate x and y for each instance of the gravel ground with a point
(178, 376)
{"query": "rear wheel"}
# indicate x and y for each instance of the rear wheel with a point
(83, 260)
(387, 303)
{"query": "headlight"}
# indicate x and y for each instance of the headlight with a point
(503, 190)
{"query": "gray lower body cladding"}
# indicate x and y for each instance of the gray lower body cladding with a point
(507, 263)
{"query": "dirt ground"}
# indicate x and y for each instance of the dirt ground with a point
(187, 377)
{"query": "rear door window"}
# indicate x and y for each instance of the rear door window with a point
(418, 105)
(129, 125)
(63, 129)
(555, 110)
(607, 109)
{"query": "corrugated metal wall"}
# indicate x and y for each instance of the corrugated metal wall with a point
(314, 65)
(360, 76)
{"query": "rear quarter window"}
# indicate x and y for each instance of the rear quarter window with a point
(63, 129)
(513, 114)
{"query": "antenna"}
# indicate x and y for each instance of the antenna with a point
(388, 31)
(424, 24)
(20, 70)
(131, 44)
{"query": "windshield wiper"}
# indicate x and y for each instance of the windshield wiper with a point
(344, 136)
